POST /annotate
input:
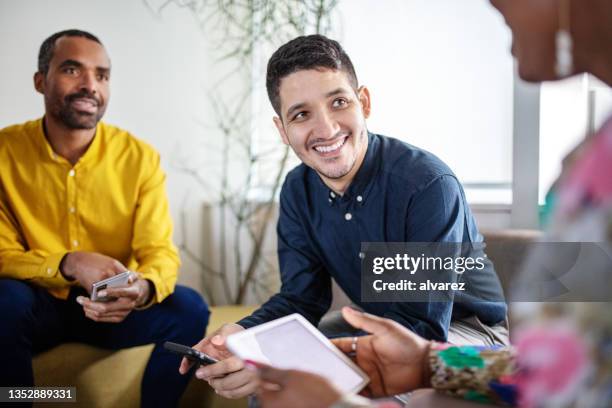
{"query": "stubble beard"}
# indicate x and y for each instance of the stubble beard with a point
(73, 119)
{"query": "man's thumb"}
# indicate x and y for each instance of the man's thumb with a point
(364, 321)
(218, 340)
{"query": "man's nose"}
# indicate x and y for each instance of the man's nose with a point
(326, 127)
(89, 83)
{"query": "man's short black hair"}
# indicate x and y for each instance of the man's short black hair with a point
(306, 52)
(45, 54)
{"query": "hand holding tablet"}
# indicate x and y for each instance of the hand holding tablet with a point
(394, 357)
(292, 342)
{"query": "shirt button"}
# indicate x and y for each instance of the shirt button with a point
(330, 200)
(361, 255)
(72, 210)
(332, 194)
(348, 216)
(75, 243)
(359, 198)
(50, 271)
(71, 173)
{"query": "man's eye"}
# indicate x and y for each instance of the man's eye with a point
(103, 77)
(340, 102)
(70, 70)
(299, 116)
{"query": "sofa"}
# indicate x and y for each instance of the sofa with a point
(106, 378)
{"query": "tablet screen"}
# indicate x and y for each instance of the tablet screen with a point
(291, 345)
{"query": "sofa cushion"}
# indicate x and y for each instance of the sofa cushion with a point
(106, 378)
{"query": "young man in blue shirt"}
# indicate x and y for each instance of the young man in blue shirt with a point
(353, 186)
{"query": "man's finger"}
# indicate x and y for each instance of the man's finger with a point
(105, 312)
(202, 344)
(90, 304)
(111, 309)
(185, 366)
(364, 321)
(94, 315)
(240, 392)
(106, 307)
(131, 292)
(114, 314)
(133, 277)
(233, 381)
(206, 347)
(218, 340)
(345, 344)
(119, 305)
(217, 348)
(91, 316)
(223, 367)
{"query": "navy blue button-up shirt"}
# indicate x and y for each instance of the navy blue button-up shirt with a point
(400, 194)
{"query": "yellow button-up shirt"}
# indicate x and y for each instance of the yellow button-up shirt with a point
(112, 201)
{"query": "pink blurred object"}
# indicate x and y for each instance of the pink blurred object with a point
(388, 404)
(551, 363)
(590, 178)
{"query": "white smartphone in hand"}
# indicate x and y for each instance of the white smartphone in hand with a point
(118, 280)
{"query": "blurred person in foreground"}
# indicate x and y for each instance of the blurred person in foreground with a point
(562, 354)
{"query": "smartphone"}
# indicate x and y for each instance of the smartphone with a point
(190, 353)
(121, 279)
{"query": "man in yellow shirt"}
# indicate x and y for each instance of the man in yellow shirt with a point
(81, 201)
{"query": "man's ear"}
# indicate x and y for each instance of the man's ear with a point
(364, 98)
(281, 129)
(39, 82)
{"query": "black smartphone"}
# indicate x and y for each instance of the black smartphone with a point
(190, 353)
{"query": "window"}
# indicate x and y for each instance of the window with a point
(441, 78)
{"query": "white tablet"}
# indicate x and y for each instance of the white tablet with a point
(291, 342)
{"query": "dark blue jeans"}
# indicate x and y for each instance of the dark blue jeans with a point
(32, 321)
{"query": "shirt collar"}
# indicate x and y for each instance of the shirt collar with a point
(364, 178)
(47, 150)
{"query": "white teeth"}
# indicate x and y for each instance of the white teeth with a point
(327, 149)
(85, 101)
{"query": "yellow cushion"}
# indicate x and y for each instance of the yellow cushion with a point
(106, 378)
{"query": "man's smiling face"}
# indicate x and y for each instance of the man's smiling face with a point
(76, 87)
(323, 120)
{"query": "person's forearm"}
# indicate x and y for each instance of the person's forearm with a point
(283, 304)
(38, 266)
